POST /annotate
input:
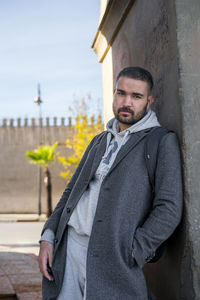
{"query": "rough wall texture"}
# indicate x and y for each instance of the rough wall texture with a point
(164, 37)
(107, 72)
(18, 178)
(148, 39)
(188, 39)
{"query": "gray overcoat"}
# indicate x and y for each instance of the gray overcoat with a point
(129, 224)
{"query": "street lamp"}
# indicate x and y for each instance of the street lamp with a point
(38, 101)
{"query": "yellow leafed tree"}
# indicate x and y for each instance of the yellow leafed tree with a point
(83, 132)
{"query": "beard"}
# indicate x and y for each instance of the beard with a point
(130, 118)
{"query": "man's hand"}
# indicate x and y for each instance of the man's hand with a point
(45, 259)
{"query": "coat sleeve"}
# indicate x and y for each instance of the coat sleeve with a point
(167, 203)
(53, 221)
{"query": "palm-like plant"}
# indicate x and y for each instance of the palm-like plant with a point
(43, 156)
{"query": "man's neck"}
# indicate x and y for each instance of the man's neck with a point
(123, 127)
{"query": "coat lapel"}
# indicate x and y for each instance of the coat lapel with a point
(101, 147)
(128, 146)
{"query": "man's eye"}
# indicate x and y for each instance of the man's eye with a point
(120, 93)
(137, 96)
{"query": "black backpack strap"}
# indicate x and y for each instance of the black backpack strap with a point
(151, 152)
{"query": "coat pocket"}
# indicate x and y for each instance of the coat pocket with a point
(132, 261)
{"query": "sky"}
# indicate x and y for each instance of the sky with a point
(48, 42)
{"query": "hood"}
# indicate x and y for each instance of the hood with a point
(116, 139)
(148, 121)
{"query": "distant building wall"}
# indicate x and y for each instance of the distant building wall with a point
(18, 178)
(163, 37)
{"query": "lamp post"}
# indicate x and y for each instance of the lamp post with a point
(38, 101)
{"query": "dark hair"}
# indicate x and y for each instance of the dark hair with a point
(137, 73)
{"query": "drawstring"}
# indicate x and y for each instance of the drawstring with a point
(106, 158)
(124, 138)
(112, 150)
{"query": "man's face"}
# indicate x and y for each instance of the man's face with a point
(131, 101)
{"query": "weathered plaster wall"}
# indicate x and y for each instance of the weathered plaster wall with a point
(164, 37)
(148, 39)
(111, 17)
(107, 73)
(188, 39)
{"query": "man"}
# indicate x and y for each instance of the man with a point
(106, 225)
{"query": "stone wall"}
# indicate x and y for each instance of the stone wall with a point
(18, 178)
(188, 44)
(164, 37)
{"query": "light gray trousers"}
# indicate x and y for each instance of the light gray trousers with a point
(74, 282)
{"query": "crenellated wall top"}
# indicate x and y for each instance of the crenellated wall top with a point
(35, 122)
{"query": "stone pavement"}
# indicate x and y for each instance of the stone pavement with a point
(20, 277)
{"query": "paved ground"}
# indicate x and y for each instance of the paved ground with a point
(19, 273)
(19, 277)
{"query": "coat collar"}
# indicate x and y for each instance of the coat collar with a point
(128, 146)
(125, 149)
(100, 148)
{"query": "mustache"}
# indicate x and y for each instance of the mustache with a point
(126, 109)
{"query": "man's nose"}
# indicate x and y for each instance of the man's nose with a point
(127, 100)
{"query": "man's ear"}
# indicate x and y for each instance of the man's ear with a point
(150, 100)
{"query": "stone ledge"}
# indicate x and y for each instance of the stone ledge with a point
(110, 24)
(30, 296)
(22, 217)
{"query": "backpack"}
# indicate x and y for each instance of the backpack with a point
(151, 152)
